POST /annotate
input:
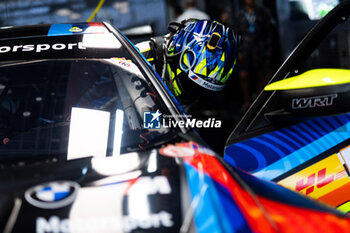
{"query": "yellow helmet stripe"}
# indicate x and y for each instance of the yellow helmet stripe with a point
(223, 57)
(185, 59)
(312, 78)
(222, 70)
(221, 75)
(227, 76)
(178, 71)
(172, 75)
(214, 73)
(176, 88)
(201, 67)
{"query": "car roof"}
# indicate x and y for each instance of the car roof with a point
(57, 41)
(51, 30)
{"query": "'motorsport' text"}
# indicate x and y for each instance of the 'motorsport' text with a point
(41, 47)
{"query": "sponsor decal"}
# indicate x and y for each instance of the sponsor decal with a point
(318, 179)
(122, 62)
(75, 29)
(52, 195)
(40, 47)
(315, 101)
(126, 64)
(106, 224)
(204, 83)
(156, 120)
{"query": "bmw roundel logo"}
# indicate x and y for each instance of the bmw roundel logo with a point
(52, 195)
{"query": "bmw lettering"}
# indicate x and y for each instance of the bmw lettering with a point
(52, 195)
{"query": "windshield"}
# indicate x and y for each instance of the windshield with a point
(66, 109)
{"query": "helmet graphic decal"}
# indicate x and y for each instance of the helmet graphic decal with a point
(205, 51)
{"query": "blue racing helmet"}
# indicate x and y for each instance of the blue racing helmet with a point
(201, 56)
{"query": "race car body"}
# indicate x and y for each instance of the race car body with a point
(83, 147)
(181, 187)
(297, 131)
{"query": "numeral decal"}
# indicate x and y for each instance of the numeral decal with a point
(310, 182)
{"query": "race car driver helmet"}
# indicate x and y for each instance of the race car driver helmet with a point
(201, 56)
